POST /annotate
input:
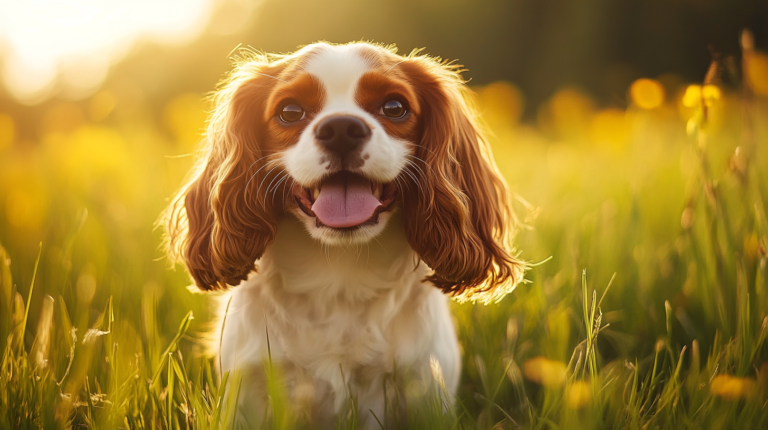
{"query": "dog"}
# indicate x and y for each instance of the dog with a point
(341, 194)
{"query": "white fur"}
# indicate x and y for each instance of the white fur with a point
(339, 319)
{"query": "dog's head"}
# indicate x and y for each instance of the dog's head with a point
(340, 136)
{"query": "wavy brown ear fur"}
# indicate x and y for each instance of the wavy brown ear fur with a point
(213, 225)
(459, 220)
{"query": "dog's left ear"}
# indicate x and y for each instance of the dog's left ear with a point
(459, 220)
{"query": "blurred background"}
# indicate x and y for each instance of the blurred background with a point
(68, 50)
(595, 108)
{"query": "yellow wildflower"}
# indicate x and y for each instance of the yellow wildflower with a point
(692, 96)
(541, 370)
(730, 387)
(647, 93)
(578, 394)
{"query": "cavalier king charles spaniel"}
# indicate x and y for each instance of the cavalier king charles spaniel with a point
(342, 193)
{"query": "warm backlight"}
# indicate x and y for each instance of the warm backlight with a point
(69, 45)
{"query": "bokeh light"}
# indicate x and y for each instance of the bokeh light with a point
(647, 93)
(69, 45)
(184, 116)
(503, 103)
(696, 95)
(26, 205)
(542, 370)
(578, 394)
(692, 96)
(756, 72)
(566, 115)
(730, 387)
(7, 131)
(101, 105)
(610, 127)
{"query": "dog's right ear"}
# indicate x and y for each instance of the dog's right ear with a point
(215, 225)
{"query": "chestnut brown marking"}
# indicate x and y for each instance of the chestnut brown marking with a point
(304, 90)
(375, 88)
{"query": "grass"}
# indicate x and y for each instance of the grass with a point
(99, 333)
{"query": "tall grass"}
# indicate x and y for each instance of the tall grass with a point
(664, 203)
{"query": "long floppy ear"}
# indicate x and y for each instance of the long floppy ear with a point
(459, 220)
(213, 224)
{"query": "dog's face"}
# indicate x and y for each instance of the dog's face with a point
(340, 136)
(349, 125)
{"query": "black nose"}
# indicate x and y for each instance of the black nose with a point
(342, 134)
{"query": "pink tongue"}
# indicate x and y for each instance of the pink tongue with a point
(345, 201)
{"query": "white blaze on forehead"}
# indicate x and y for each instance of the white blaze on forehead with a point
(338, 68)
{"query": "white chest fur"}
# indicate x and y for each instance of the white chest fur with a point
(340, 320)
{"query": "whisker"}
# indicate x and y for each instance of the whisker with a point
(428, 149)
(416, 167)
(258, 191)
(249, 167)
(377, 241)
(421, 172)
(277, 185)
(281, 176)
(285, 198)
(270, 76)
(397, 64)
(417, 158)
(415, 180)
(400, 184)
(277, 175)
(358, 250)
(256, 172)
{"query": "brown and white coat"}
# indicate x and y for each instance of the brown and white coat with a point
(343, 191)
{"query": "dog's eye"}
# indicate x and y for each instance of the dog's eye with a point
(393, 109)
(291, 113)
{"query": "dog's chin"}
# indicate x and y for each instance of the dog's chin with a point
(357, 235)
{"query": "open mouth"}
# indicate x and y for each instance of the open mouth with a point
(345, 200)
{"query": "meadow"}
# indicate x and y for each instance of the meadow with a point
(646, 304)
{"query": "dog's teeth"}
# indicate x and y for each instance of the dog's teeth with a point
(315, 193)
(377, 191)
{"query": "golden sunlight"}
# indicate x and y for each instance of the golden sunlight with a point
(47, 46)
(647, 93)
(541, 370)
